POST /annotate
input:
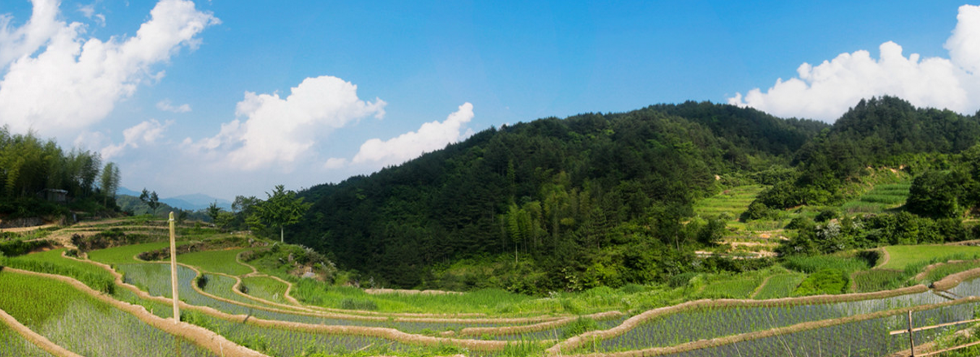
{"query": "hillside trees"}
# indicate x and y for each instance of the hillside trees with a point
(109, 181)
(150, 199)
(29, 165)
(213, 211)
(877, 132)
(573, 200)
(282, 208)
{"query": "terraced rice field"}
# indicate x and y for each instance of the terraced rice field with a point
(13, 344)
(707, 323)
(867, 338)
(901, 256)
(154, 278)
(879, 199)
(762, 327)
(125, 254)
(733, 288)
(216, 261)
(59, 312)
(731, 202)
(266, 288)
(223, 287)
(779, 286)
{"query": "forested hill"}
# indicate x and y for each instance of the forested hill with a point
(885, 131)
(588, 200)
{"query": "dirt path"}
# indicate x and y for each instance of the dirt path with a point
(854, 286)
(35, 338)
(28, 229)
(887, 257)
(410, 292)
(759, 288)
(196, 334)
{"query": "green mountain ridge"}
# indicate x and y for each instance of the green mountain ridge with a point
(554, 194)
(606, 199)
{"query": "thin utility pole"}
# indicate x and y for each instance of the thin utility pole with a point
(911, 341)
(173, 267)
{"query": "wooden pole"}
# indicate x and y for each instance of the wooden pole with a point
(911, 341)
(173, 267)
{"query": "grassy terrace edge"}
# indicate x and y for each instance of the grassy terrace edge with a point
(636, 320)
(197, 335)
(33, 337)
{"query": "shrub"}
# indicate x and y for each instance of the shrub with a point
(756, 210)
(202, 281)
(826, 215)
(824, 281)
(799, 223)
(632, 288)
(579, 326)
(358, 304)
(680, 280)
(19, 247)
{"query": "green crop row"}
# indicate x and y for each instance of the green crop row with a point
(83, 324)
(216, 261)
(266, 288)
(52, 262)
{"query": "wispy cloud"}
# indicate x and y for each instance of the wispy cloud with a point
(145, 133)
(166, 106)
(89, 12)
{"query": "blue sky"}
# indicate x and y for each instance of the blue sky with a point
(197, 103)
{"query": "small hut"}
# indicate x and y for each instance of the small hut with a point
(54, 195)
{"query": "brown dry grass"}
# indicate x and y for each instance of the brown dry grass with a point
(952, 280)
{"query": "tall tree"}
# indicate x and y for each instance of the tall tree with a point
(151, 199)
(282, 208)
(109, 181)
(213, 211)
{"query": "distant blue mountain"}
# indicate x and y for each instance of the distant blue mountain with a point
(128, 192)
(188, 202)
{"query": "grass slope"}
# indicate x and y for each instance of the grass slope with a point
(65, 316)
(216, 261)
(902, 256)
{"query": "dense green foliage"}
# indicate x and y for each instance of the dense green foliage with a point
(606, 199)
(30, 165)
(878, 132)
(824, 281)
(594, 199)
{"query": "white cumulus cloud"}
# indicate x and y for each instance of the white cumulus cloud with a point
(827, 90)
(23, 41)
(430, 137)
(74, 82)
(166, 106)
(274, 130)
(144, 133)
